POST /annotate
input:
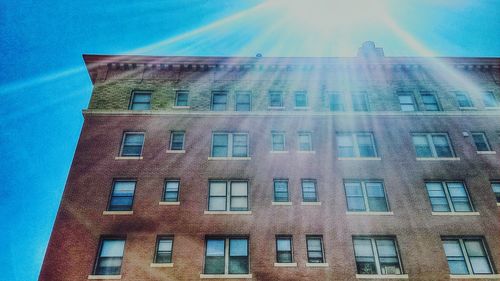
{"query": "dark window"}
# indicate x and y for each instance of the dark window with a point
(219, 101)
(171, 193)
(315, 252)
(109, 260)
(467, 256)
(278, 141)
(243, 101)
(122, 196)
(219, 194)
(140, 101)
(430, 102)
(301, 99)
(407, 102)
(360, 102)
(377, 256)
(234, 261)
(448, 197)
(432, 145)
(181, 98)
(284, 249)
(366, 196)
(463, 99)
(481, 142)
(281, 191)
(132, 144)
(496, 189)
(164, 249)
(177, 140)
(309, 192)
(336, 102)
(275, 99)
(489, 99)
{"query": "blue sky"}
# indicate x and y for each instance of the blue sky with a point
(44, 85)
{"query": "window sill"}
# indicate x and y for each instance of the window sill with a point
(163, 203)
(468, 108)
(455, 213)
(370, 213)
(285, 264)
(104, 277)
(274, 203)
(313, 264)
(226, 276)
(359, 158)
(492, 107)
(278, 152)
(128, 158)
(176, 151)
(310, 203)
(301, 108)
(477, 276)
(306, 152)
(181, 107)
(275, 107)
(229, 158)
(486, 152)
(109, 213)
(438, 158)
(380, 276)
(227, 212)
(161, 265)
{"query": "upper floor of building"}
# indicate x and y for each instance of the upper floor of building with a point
(306, 85)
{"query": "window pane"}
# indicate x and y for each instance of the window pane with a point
(220, 143)
(354, 193)
(459, 197)
(489, 100)
(305, 142)
(437, 197)
(240, 145)
(239, 203)
(314, 244)
(406, 102)
(217, 188)
(365, 261)
(345, 146)
(359, 102)
(182, 99)
(480, 265)
(275, 100)
(238, 247)
(442, 146)
(477, 256)
(480, 142)
(284, 244)
(430, 102)
(281, 191)
(134, 139)
(496, 189)
(463, 100)
(243, 102)
(336, 102)
(366, 145)
(124, 188)
(454, 254)
(239, 188)
(422, 147)
(112, 248)
(300, 99)
(165, 245)
(217, 204)
(278, 142)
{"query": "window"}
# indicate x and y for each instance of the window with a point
(109, 259)
(481, 141)
(122, 196)
(301, 99)
(377, 255)
(132, 144)
(467, 256)
(360, 102)
(181, 98)
(140, 101)
(275, 99)
(164, 249)
(315, 253)
(496, 189)
(284, 252)
(407, 102)
(365, 196)
(226, 256)
(281, 190)
(336, 102)
(305, 141)
(171, 191)
(177, 140)
(432, 145)
(228, 195)
(356, 145)
(230, 145)
(448, 197)
(243, 101)
(430, 102)
(463, 99)
(309, 192)
(278, 141)
(219, 101)
(489, 99)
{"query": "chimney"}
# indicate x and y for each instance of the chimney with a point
(368, 50)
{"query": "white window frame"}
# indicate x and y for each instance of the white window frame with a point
(342, 100)
(309, 135)
(230, 145)
(430, 142)
(295, 94)
(212, 100)
(375, 253)
(485, 140)
(444, 185)
(354, 138)
(282, 98)
(495, 99)
(172, 139)
(140, 92)
(272, 141)
(413, 101)
(245, 93)
(124, 136)
(226, 258)
(365, 195)
(365, 100)
(466, 257)
(229, 195)
(430, 93)
(467, 97)
(177, 98)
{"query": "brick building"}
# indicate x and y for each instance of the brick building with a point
(366, 167)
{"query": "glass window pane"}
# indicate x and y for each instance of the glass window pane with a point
(112, 248)
(238, 265)
(474, 248)
(217, 188)
(363, 248)
(422, 147)
(386, 248)
(172, 185)
(134, 139)
(456, 189)
(215, 247)
(452, 248)
(489, 100)
(239, 203)
(165, 245)
(220, 139)
(442, 146)
(480, 265)
(217, 204)
(336, 102)
(284, 244)
(239, 188)
(356, 204)
(374, 189)
(124, 188)
(238, 247)
(353, 189)
(314, 244)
